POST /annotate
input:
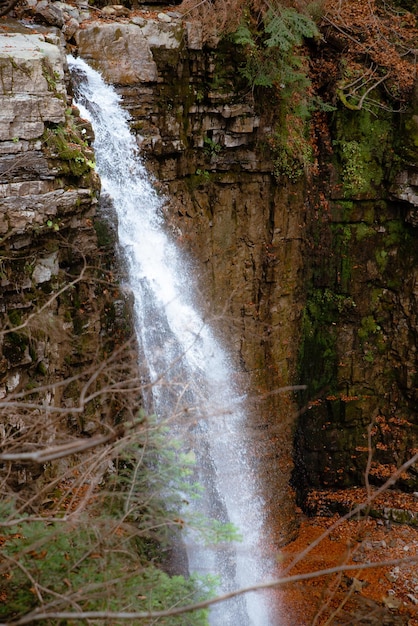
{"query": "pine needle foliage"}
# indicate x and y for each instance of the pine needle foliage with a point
(90, 565)
(287, 28)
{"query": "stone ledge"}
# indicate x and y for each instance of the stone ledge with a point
(390, 506)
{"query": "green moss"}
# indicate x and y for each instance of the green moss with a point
(375, 296)
(42, 368)
(66, 144)
(342, 211)
(363, 231)
(369, 326)
(291, 158)
(397, 233)
(354, 170)
(364, 150)
(15, 317)
(318, 355)
(342, 235)
(62, 145)
(14, 347)
(105, 236)
(382, 258)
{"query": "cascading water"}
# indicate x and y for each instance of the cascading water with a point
(191, 372)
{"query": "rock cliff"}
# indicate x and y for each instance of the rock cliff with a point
(57, 320)
(312, 282)
(315, 282)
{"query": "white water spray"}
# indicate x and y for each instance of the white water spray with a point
(191, 371)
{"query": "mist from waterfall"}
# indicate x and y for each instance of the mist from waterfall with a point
(191, 373)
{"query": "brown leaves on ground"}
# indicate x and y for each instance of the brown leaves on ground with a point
(382, 595)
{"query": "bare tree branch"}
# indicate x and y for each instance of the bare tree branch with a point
(61, 451)
(42, 614)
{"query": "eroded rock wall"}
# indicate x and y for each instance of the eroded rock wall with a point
(57, 291)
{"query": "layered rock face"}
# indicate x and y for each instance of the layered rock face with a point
(54, 313)
(46, 188)
(313, 283)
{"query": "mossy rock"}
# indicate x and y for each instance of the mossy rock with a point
(68, 144)
(364, 151)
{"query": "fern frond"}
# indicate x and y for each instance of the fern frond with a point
(243, 36)
(288, 28)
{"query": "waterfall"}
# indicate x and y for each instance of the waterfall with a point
(192, 373)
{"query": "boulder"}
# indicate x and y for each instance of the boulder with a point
(121, 52)
(162, 33)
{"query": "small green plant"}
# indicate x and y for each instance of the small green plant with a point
(54, 225)
(211, 147)
(51, 76)
(201, 177)
(271, 50)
